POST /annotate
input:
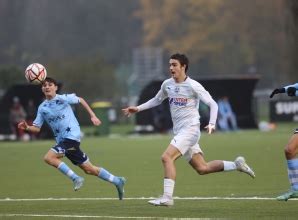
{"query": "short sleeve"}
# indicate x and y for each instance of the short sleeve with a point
(71, 98)
(38, 122)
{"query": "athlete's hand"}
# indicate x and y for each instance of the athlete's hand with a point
(276, 91)
(210, 128)
(291, 91)
(95, 121)
(130, 110)
(23, 125)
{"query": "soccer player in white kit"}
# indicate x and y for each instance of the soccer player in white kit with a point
(184, 95)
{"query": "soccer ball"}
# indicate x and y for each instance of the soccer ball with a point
(35, 73)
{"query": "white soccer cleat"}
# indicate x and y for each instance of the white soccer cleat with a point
(243, 167)
(162, 201)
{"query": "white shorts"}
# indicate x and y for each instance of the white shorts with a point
(186, 141)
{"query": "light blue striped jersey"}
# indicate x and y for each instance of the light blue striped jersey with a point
(295, 86)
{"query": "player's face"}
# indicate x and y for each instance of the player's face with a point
(49, 89)
(177, 70)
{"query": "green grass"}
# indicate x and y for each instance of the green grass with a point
(24, 175)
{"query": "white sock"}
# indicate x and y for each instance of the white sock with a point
(168, 187)
(229, 165)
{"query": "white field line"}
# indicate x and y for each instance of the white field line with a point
(75, 216)
(101, 216)
(138, 198)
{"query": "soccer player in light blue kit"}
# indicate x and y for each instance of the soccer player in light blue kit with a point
(56, 111)
(291, 150)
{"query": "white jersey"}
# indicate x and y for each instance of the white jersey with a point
(184, 99)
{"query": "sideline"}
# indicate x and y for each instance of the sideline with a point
(140, 198)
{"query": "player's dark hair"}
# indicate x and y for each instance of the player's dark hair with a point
(183, 60)
(50, 80)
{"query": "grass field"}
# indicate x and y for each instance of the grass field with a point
(30, 189)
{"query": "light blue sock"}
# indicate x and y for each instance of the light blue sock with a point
(107, 176)
(293, 173)
(67, 171)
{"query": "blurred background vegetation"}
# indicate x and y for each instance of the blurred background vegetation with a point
(88, 45)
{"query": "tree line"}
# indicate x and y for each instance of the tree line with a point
(84, 43)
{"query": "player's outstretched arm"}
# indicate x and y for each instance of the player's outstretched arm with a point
(23, 125)
(93, 117)
(277, 91)
(155, 101)
(130, 110)
(291, 90)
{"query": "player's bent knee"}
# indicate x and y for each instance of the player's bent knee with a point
(51, 160)
(47, 159)
(202, 170)
(165, 158)
(290, 152)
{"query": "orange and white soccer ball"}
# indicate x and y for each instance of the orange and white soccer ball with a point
(35, 73)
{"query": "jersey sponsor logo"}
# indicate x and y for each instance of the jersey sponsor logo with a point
(178, 101)
(56, 118)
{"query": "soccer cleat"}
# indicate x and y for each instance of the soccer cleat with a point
(162, 201)
(243, 167)
(120, 187)
(78, 183)
(288, 195)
